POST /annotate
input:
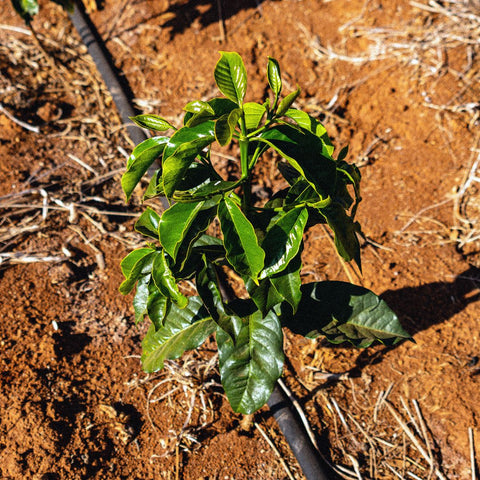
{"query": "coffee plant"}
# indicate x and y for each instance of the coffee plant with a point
(262, 242)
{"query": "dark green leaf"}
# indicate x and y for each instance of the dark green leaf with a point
(157, 306)
(141, 297)
(311, 124)
(344, 312)
(207, 287)
(152, 122)
(282, 241)
(345, 230)
(252, 361)
(27, 9)
(288, 283)
(225, 126)
(274, 76)
(231, 76)
(303, 151)
(254, 113)
(175, 223)
(287, 102)
(165, 280)
(136, 264)
(147, 223)
(141, 159)
(264, 295)
(343, 153)
(241, 244)
(182, 330)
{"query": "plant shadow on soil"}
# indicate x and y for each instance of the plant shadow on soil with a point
(205, 12)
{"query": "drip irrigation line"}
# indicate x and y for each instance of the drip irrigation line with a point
(313, 467)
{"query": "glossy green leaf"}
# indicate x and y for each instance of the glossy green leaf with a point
(345, 230)
(344, 312)
(288, 282)
(252, 361)
(303, 151)
(134, 265)
(311, 124)
(282, 241)
(207, 287)
(231, 76)
(27, 9)
(198, 106)
(287, 102)
(264, 295)
(141, 298)
(158, 306)
(165, 280)
(155, 186)
(202, 221)
(343, 153)
(225, 126)
(274, 76)
(182, 330)
(147, 223)
(152, 122)
(141, 159)
(254, 113)
(208, 190)
(240, 241)
(190, 140)
(175, 223)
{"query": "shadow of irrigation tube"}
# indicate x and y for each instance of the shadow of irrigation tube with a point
(313, 467)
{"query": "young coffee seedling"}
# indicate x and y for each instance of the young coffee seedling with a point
(261, 242)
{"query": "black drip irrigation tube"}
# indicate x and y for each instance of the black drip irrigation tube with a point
(308, 457)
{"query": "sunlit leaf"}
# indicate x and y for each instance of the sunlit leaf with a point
(287, 102)
(134, 265)
(241, 244)
(140, 161)
(254, 113)
(147, 223)
(274, 76)
(152, 122)
(231, 76)
(182, 330)
(225, 126)
(165, 280)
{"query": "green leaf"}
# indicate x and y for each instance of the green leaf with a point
(282, 241)
(155, 186)
(207, 287)
(288, 282)
(264, 295)
(303, 151)
(141, 298)
(175, 223)
(27, 9)
(254, 113)
(287, 102)
(240, 241)
(225, 126)
(304, 120)
(343, 153)
(344, 312)
(165, 280)
(152, 122)
(181, 151)
(231, 76)
(158, 306)
(198, 106)
(190, 140)
(251, 362)
(141, 159)
(137, 263)
(345, 230)
(182, 330)
(274, 76)
(147, 223)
